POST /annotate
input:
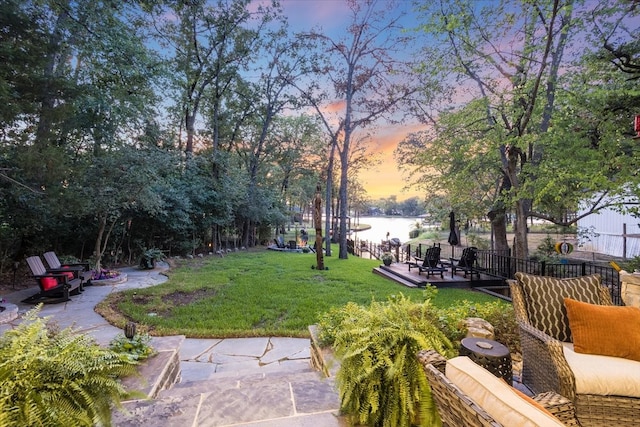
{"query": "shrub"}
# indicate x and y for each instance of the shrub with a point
(415, 233)
(57, 377)
(546, 250)
(631, 265)
(380, 380)
(478, 241)
(136, 348)
(500, 316)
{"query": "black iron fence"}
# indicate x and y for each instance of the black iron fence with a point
(499, 264)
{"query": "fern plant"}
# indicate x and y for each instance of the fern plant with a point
(57, 377)
(380, 381)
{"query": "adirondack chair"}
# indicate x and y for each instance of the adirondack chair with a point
(280, 243)
(53, 283)
(466, 263)
(430, 263)
(80, 270)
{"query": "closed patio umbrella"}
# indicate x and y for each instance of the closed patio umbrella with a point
(453, 236)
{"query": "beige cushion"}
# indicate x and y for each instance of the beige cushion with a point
(603, 375)
(495, 396)
(606, 330)
(544, 297)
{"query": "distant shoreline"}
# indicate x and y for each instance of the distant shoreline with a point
(360, 227)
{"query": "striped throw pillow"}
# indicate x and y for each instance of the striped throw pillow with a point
(545, 296)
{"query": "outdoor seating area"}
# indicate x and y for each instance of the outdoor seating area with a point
(468, 395)
(577, 343)
(55, 284)
(290, 246)
(580, 362)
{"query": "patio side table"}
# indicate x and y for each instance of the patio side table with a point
(489, 354)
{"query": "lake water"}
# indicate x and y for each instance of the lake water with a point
(396, 227)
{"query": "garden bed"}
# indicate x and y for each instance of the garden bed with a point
(121, 278)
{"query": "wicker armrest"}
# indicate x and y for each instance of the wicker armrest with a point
(552, 371)
(561, 407)
(432, 357)
(456, 409)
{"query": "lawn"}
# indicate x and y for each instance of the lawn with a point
(258, 293)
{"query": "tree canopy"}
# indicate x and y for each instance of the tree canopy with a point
(194, 126)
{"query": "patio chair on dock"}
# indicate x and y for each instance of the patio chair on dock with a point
(430, 263)
(467, 262)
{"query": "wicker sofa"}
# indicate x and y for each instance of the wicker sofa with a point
(547, 360)
(456, 408)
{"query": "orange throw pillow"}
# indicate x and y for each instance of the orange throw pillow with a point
(528, 398)
(604, 329)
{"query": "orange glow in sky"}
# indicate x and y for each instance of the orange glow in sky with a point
(385, 180)
(382, 180)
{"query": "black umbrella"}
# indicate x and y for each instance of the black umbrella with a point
(453, 236)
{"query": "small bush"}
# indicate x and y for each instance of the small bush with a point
(136, 348)
(478, 241)
(500, 316)
(631, 265)
(57, 377)
(546, 250)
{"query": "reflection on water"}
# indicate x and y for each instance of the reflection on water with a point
(396, 227)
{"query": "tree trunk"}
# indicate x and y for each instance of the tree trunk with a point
(521, 244)
(102, 226)
(190, 119)
(498, 220)
(317, 221)
(328, 198)
(515, 160)
(342, 192)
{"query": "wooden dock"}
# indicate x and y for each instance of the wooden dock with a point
(399, 272)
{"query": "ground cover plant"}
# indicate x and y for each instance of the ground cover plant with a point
(54, 377)
(258, 293)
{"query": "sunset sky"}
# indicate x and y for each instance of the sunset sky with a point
(333, 16)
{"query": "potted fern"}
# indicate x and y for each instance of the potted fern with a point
(149, 258)
(58, 377)
(380, 380)
(387, 258)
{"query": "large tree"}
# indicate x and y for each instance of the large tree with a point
(78, 90)
(521, 93)
(207, 46)
(508, 54)
(369, 80)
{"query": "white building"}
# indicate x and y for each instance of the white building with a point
(610, 233)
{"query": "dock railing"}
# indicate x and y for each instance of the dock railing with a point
(498, 264)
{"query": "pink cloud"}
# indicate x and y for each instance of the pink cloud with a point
(306, 14)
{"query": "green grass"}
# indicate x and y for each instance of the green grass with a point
(259, 293)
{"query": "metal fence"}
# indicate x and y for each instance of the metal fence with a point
(499, 264)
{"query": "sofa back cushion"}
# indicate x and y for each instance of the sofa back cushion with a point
(495, 396)
(544, 299)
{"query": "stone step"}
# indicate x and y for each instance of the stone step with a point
(253, 379)
(250, 398)
(204, 370)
